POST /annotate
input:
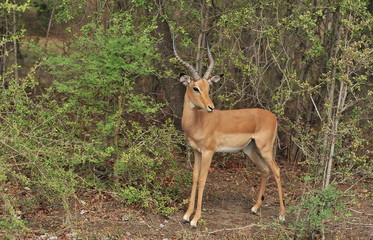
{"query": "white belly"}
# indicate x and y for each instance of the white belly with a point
(233, 149)
(229, 149)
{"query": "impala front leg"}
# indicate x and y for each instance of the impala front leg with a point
(196, 171)
(205, 165)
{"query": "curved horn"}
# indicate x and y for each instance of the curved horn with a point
(187, 65)
(211, 66)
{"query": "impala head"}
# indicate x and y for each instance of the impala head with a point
(198, 88)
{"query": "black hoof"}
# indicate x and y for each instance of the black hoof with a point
(253, 213)
(193, 227)
(184, 221)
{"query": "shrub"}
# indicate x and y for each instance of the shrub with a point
(317, 207)
(78, 133)
(147, 171)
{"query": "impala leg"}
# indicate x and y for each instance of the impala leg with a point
(260, 198)
(276, 172)
(205, 165)
(251, 152)
(196, 171)
(270, 160)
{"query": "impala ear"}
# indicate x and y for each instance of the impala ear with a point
(215, 79)
(185, 79)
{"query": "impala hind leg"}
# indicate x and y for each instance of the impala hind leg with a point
(276, 172)
(196, 172)
(268, 156)
(251, 152)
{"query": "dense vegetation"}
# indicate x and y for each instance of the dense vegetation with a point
(101, 109)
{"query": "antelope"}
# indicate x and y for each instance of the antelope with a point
(209, 130)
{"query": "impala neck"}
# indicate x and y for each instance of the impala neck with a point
(190, 115)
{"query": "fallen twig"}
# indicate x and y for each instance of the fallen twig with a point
(363, 224)
(364, 213)
(238, 228)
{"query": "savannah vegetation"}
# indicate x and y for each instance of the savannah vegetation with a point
(90, 103)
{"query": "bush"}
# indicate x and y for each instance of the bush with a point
(147, 172)
(78, 133)
(317, 207)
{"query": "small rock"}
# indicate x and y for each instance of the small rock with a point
(72, 234)
(125, 219)
(128, 234)
(27, 188)
(19, 214)
(161, 225)
(44, 236)
(82, 212)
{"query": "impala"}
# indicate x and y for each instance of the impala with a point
(208, 131)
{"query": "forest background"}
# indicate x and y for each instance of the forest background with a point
(90, 105)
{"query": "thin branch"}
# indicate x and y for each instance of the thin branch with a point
(49, 28)
(12, 148)
(356, 211)
(355, 182)
(238, 228)
(16, 75)
(363, 224)
(314, 104)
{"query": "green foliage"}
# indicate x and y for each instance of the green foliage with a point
(18, 7)
(79, 133)
(35, 153)
(146, 172)
(67, 10)
(105, 65)
(317, 207)
(10, 221)
(12, 226)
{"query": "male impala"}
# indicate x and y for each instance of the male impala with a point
(209, 131)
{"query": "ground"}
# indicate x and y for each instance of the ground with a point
(229, 195)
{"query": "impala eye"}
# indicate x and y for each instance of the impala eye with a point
(196, 89)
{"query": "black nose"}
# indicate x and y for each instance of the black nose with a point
(211, 109)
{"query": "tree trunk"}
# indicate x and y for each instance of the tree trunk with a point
(174, 90)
